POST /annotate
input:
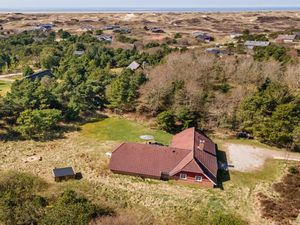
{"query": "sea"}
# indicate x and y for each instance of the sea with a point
(144, 10)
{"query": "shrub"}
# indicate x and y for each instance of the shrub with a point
(166, 121)
(38, 124)
(177, 35)
(69, 208)
(18, 202)
(27, 71)
(152, 45)
(293, 170)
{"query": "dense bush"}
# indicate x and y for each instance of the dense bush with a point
(271, 114)
(20, 204)
(27, 71)
(166, 121)
(279, 53)
(40, 124)
(123, 91)
(69, 208)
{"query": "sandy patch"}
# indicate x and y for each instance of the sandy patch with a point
(129, 17)
(247, 158)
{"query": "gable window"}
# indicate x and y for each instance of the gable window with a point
(198, 178)
(183, 176)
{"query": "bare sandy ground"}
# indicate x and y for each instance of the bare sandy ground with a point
(245, 158)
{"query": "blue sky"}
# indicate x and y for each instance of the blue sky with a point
(19, 4)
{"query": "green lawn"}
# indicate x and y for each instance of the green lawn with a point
(4, 87)
(119, 129)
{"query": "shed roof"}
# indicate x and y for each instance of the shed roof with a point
(287, 37)
(257, 43)
(62, 172)
(134, 65)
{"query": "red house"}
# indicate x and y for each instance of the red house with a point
(191, 157)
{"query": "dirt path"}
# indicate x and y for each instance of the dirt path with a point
(8, 77)
(247, 158)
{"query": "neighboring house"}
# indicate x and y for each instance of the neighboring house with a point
(252, 44)
(133, 66)
(79, 53)
(156, 30)
(40, 75)
(217, 51)
(297, 33)
(236, 35)
(111, 27)
(122, 30)
(284, 38)
(200, 36)
(104, 37)
(61, 174)
(191, 158)
(87, 28)
(45, 27)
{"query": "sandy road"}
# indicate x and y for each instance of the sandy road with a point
(247, 158)
(8, 77)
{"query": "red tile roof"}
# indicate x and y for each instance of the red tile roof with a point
(145, 159)
(190, 139)
(184, 154)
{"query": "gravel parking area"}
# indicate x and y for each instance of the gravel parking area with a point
(247, 158)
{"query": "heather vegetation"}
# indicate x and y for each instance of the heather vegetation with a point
(21, 203)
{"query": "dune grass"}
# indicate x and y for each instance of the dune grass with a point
(119, 129)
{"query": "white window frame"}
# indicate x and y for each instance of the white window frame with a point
(198, 180)
(183, 176)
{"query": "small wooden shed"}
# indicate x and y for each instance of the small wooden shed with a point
(61, 174)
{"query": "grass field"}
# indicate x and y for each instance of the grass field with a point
(151, 201)
(4, 87)
(118, 129)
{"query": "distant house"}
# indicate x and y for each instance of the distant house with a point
(191, 158)
(201, 36)
(111, 27)
(79, 53)
(156, 30)
(252, 44)
(217, 51)
(122, 30)
(104, 37)
(297, 33)
(284, 38)
(87, 28)
(45, 27)
(133, 66)
(61, 174)
(236, 35)
(40, 75)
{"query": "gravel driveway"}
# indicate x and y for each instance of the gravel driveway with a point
(246, 158)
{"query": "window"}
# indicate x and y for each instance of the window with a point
(198, 178)
(182, 176)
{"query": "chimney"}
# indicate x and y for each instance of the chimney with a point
(201, 145)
